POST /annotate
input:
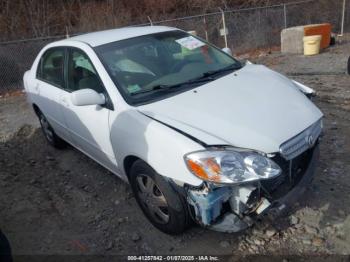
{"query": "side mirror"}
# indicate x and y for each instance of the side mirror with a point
(227, 51)
(87, 97)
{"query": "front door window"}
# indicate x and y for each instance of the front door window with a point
(81, 73)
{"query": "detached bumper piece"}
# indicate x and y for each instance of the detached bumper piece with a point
(234, 208)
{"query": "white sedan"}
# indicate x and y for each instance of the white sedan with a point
(197, 134)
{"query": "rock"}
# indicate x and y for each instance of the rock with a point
(292, 230)
(135, 237)
(298, 226)
(257, 232)
(270, 232)
(306, 241)
(146, 248)
(224, 244)
(109, 245)
(258, 242)
(341, 212)
(294, 220)
(107, 211)
(329, 230)
(50, 158)
(97, 217)
(120, 220)
(340, 235)
(253, 248)
(310, 230)
(87, 189)
(317, 241)
(117, 202)
(338, 226)
(10, 164)
(104, 226)
(249, 241)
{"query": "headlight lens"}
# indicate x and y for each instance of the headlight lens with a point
(230, 166)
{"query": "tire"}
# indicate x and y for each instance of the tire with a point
(160, 203)
(49, 133)
(349, 66)
(5, 249)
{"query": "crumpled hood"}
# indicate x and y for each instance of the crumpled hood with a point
(254, 108)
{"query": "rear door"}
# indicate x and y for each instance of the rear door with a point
(88, 125)
(48, 87)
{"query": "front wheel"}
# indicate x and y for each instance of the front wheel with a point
(160, 203)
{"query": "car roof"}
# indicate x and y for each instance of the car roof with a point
(113, 35)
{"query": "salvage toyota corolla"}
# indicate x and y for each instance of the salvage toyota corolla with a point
(197, 134)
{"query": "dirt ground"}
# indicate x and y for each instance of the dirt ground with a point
(61, 202)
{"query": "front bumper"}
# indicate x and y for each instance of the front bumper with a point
(234, 208)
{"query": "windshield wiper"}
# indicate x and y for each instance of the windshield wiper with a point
(168, 87)
(154, 88)
(205, 77)
(208, 76)
(232, 67)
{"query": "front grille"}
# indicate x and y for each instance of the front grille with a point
(292, 172)
(301, 142)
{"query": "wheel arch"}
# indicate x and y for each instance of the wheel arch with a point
(128, 162)
(36, 109)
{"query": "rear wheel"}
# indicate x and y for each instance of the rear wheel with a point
(160, 203)
(49, 133)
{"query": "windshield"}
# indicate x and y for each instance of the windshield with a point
(153, 66)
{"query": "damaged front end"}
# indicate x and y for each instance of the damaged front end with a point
(232, 208)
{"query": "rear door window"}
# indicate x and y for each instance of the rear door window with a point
(51, 67)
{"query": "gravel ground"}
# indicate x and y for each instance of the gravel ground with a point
(14, 113)
(61, 202)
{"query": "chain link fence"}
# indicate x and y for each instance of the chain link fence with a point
(247, 29)
(16, 57)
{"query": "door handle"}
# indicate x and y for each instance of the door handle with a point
(64, 101)
(37, 88)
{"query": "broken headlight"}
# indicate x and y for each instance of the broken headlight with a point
(231, 166)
